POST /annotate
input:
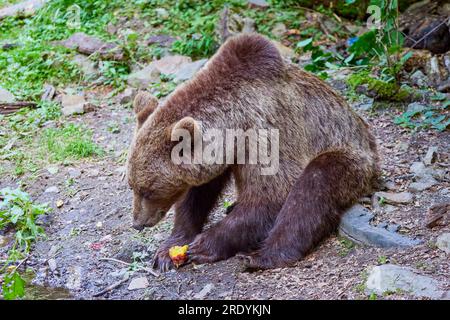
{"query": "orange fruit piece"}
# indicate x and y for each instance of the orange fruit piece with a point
(178, 254)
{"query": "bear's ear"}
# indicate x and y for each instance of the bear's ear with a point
(187, 123)
(143, 106)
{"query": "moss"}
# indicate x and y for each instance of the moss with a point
(383, 90)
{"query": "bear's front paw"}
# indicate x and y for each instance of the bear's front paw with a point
(162, 260)
(263, 261)
(204, 250)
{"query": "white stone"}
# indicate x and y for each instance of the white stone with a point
(443, 242)
(138, 283)
(392, 278)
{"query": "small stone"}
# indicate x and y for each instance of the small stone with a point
(88, 45)
(161, 39)
(419, 79)
(52, 170)
(74, 173)
(59, 203)
(396, 198)
(24, 9)
(168, 65)
(392, 278)
(443, 242)
(415, 107)
(258, 4)
(49, 92)
(431, 156)
(367, 105)
(99, 225)
(74, 278)
(162, 13)
(120, 170)
(422, 184)
(72, 104)
(86, 65)
(53, 189)
(138, 283)
(52, 264)
(279, 30)
(6, 96)
(204, 292)
(3, 241)
(189, 70)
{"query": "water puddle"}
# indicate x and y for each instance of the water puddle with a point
(39, 292)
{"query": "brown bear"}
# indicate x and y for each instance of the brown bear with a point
(327, 159)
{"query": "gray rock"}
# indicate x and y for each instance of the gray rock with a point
(415, 107)
(74, 173)
(162, 13)
(419, 79)
(72, 104)
(204, 292)
(419, 170)
(86, 65)
(49, 92)
(392, 278)
(127, 249)
(127, 96)
(355, 225)
(396, 198)
(144, 77)
(52, 264)
(52, 170)
(279, 29)
(6, 96)
(422, 184)
(366, 105)
(261, 4)
(430, 156)
(161, 40)
(188, 70)
(443, 242)
(74, 278)
(3, 241)
(88, 45)
(53, 189)
(24, 9)
(249, 25)
(138, 283)
(169, 65)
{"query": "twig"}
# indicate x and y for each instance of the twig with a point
(10, 107)
(153, 273)
(113, 286)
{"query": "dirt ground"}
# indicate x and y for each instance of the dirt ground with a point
(95, 222)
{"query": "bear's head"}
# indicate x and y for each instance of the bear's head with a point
(157, 182)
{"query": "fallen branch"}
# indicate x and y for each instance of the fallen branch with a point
(11, 107)
(113, 286)
(153, 273)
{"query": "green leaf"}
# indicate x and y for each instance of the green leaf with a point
(13, 286)
(304, 43)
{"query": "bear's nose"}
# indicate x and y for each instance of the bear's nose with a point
(138, 226)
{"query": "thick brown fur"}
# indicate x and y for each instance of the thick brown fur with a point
(328, 159)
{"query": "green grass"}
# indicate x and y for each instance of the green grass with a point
(69, 142)
(18, 211)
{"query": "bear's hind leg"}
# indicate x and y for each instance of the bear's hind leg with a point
(242, 230)
(190, 215)
(330, 183)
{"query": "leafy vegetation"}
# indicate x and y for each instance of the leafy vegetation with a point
(18, 212)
